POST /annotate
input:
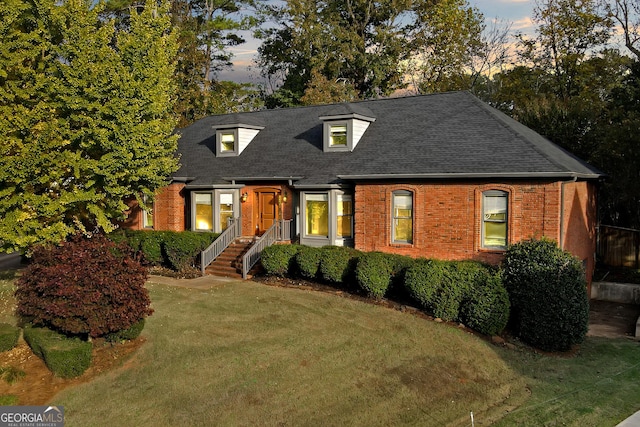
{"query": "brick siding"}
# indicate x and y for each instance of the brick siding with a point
(447, 222)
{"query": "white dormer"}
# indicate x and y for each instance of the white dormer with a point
(232, 139)
(343, 131)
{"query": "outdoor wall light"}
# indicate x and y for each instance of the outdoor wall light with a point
(244, 197)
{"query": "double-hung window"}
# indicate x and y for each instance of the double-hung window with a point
(338, 135)
(147, 214)
(402, 229)
(344, 215)
(494, 219)
(225, 210)
(227, 142)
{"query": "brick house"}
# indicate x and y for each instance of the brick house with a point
(442, 176)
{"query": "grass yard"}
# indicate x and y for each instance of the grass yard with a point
(244, 353)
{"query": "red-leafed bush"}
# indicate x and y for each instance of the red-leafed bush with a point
(83, 286)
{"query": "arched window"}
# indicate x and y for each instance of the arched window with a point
(402, 227)
(495, 208)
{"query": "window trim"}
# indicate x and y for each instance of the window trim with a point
(332, 199)
(146, 213)
(494, 193)
(227, 153)
(351, 197)
(328, 147)
(394, 218)
(215, 210)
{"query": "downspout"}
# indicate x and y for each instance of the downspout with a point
(562, 231)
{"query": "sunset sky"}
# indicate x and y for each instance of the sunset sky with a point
(518, 12)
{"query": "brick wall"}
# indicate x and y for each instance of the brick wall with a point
(169, 208)
(580, 211)
(447, 217)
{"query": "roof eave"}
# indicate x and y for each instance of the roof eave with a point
(483, 175)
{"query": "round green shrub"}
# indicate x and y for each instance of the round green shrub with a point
(548, 292)
(423, 280)
(486, 309)
(83, 286)
(337, 264)
(151, 246)
(278, 260)
(373, 273)
(441, 286)
(308, 261)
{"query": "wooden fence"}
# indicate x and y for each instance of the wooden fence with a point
(619, 247)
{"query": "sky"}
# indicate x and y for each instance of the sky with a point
(518, 12)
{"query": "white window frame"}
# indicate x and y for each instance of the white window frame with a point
(394, 218)
(484, 218)
(148, 212)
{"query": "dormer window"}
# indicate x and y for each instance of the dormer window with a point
(338, 135)
(227, 142)
(231, 140)
(343, 127)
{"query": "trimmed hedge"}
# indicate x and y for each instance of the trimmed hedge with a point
(337, 264)
(548, 291)
(279, 260)
(452, 290)
(441, 286)
(9, 336)
(177, 250)
(374, 271)
(486, 309)
(65, 357)
(308, 262)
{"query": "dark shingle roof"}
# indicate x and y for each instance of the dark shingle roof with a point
(448, 135)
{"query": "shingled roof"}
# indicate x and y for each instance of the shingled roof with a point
(441, 136)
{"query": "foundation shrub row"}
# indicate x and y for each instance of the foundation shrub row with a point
(447, 289)
(540, 290)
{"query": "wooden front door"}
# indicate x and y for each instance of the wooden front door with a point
(267, 210)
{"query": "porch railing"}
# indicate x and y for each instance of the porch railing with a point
(233, 231)
(279, 231)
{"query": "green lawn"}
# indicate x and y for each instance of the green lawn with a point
(243, 353)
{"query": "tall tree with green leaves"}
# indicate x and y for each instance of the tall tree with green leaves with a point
(85, 117)
(361, 44)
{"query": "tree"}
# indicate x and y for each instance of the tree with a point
(85, 117)
(449, 40)
(627, 14)
(360, 43)
(568, 32)
(206, 30)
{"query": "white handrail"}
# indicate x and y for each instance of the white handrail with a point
(233, 231)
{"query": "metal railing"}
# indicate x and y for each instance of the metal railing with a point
(279, 231)
(233, 231)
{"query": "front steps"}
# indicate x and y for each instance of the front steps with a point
(229, 263)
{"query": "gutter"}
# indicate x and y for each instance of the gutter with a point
(456, 175)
